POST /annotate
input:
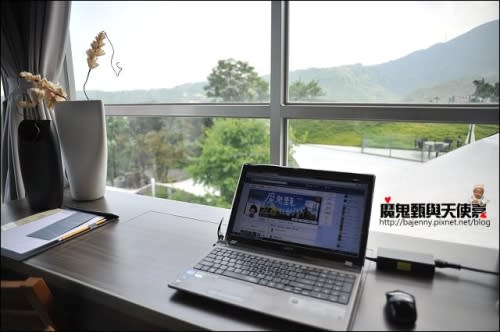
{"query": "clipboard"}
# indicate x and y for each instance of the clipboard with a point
(30, 236)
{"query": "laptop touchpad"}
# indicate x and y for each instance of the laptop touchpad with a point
(231, 290)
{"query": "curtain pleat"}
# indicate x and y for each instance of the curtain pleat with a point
(33, 37)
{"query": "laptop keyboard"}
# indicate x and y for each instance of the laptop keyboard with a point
(290, 277)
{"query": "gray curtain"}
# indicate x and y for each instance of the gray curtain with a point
(33, 39)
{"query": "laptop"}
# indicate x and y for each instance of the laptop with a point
(294, 246)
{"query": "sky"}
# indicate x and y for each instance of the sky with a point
(161, 44)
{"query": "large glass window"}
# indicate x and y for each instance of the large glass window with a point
(394, 52)
(407, 91)
(196, 160)
(174, 51)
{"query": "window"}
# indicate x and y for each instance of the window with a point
(190, 159)
(167, 49)
(393, 52)
(341, 116)
(334, 85)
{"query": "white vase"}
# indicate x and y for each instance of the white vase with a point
(81, 126)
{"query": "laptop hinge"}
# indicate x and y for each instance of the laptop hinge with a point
(348, 263)
(220, 241)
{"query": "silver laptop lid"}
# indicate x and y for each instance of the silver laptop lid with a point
(316, 213)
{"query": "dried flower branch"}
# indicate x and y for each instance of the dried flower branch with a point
(43, 91)
(95, 50)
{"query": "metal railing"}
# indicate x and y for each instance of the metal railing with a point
(405, 147)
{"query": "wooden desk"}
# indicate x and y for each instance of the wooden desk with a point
(127, 265)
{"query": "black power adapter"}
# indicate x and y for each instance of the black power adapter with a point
(405, 262)
(417, 264)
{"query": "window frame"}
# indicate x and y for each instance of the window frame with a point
(279, 110)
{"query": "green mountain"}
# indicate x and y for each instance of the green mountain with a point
(473, 54)
(442, 73)
(453, 91)
(185, 93)
(353, 83)
(444, 70)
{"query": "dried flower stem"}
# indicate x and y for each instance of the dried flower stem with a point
(84, 84)
(95, 50)
(117, 73)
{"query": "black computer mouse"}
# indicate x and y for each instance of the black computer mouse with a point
(401, 308)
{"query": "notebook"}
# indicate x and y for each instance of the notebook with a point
(294, 246)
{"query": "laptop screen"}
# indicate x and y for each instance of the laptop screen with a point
(315, 209)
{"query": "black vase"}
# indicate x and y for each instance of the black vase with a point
(41, 166)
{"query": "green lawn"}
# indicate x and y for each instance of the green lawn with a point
(381, 134)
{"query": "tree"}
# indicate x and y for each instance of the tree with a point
(143, 147)
(118, 147)
(300, 91)
(236, 81)
(484, 90)
(228, 144)
(167, 147)
(164, 150)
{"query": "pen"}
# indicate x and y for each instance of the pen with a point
(98, 222)
(79, 230)
(74, 232)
